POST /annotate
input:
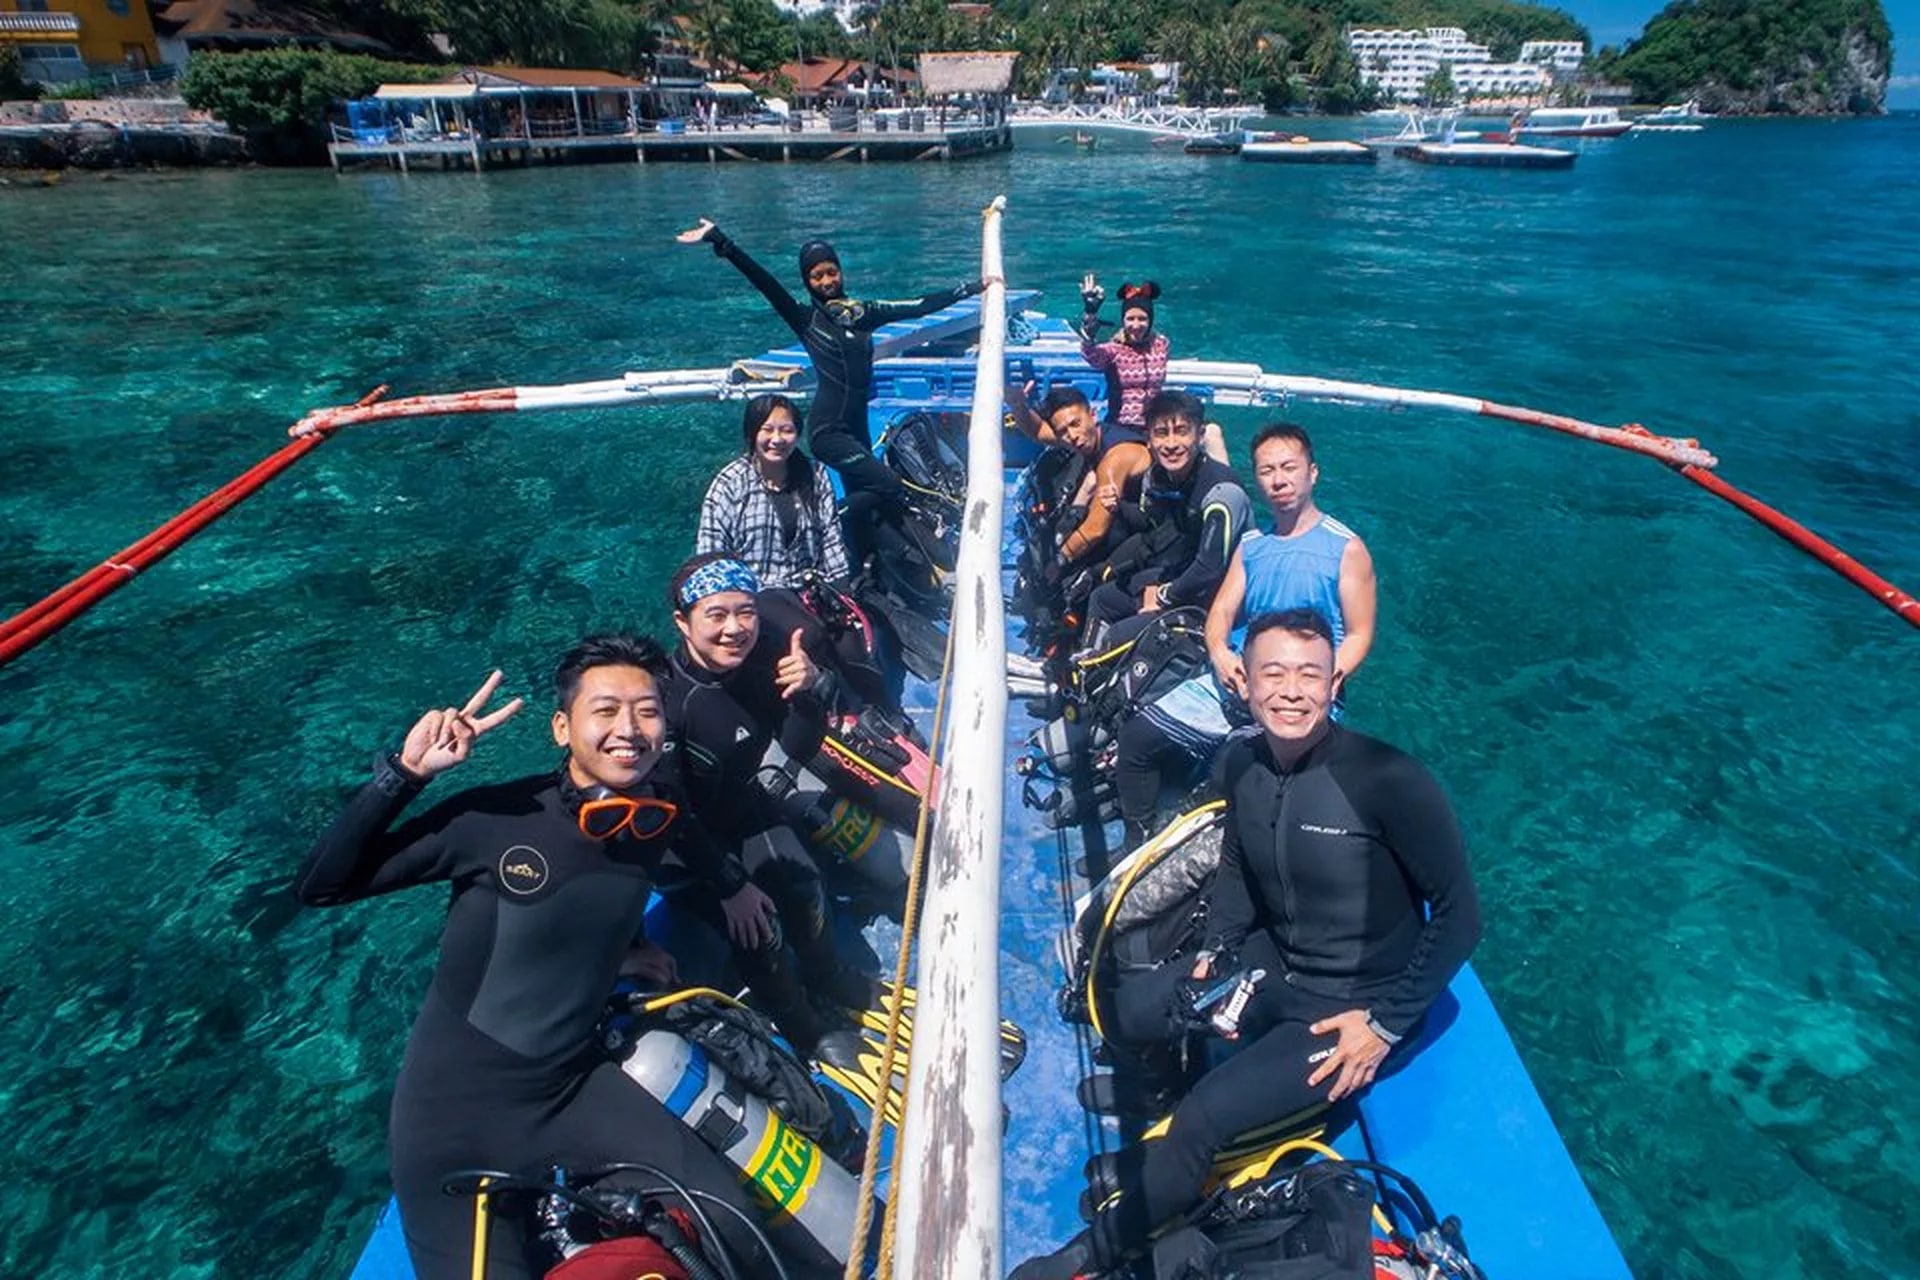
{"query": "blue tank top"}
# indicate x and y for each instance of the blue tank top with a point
(1301, 572)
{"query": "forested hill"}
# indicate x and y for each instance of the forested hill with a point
(1759, 57)
(1287, 52)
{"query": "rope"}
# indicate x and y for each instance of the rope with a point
(909, 923)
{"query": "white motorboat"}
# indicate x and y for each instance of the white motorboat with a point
(1573, 122)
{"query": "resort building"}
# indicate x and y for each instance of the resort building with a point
(1113, 82)
(1403, 62)
(1499, 79)
(1562, 57)
(64, 40)
(846, 12)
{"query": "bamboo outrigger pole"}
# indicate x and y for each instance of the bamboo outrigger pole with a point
(949, 1195)
(1229, 383)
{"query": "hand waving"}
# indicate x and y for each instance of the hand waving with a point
(1091, 293)
(695, 234)
(441, 739)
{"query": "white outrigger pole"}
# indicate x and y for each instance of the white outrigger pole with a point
(1223, 382)
(949, 1187)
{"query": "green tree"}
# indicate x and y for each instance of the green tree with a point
(612, 34)
(280, 98)
(14, 86)
(1439, 90)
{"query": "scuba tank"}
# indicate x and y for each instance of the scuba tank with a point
(848, 830)
(783, 1166)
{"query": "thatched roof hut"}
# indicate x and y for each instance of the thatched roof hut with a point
(946, 74)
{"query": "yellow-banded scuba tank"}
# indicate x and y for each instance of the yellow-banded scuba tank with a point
(846, 829)
(783, 1166)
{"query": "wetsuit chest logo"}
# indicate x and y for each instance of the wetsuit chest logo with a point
(523, 870)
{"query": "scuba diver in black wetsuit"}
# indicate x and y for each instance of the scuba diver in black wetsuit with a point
(730, 690)
(837, 332)
(1342, 876)
(549, 879)
(1191, 516)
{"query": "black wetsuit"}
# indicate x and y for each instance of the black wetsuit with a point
(503, 1069)
(724, 725)
(1184, 535)
(838, 336)
(1345, 878)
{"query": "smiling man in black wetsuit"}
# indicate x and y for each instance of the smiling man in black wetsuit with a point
(837, 332)
(549, 879)
(731, 690)
(1343, 876)
(1190, 517)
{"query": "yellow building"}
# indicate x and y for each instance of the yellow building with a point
(63, 40)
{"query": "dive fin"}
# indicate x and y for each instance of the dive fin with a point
(923, 646)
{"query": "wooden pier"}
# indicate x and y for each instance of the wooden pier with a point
(866, 143)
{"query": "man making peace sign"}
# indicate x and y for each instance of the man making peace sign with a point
(549, 877)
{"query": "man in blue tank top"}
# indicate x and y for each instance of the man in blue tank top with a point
(1310, 560)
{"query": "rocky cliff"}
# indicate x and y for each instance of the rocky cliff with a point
(1762, 57)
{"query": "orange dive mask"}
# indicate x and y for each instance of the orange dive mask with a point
(608, 814)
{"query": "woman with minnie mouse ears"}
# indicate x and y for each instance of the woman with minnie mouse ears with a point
(1134, 360)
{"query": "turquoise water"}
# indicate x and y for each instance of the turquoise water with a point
(1684, 754)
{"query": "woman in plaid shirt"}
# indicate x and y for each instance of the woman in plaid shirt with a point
(771, 508)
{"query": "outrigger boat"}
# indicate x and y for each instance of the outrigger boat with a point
(1462, 1118)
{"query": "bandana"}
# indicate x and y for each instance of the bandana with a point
(716, 576)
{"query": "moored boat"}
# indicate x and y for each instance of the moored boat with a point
(1675, 113)
(1573, 122)
(1218, 144)
(1299, 149)
(1487, 155)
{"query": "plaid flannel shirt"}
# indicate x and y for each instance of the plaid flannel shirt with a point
(739, 518)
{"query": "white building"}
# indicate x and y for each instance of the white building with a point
(846, 11)
(1402, 62)
(1563, 56)
(1500, 79)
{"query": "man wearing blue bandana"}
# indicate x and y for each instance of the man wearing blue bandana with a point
(730, 692)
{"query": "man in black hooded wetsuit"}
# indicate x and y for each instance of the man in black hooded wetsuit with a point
(549, 878)
(1343, 876)
(837, 332)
